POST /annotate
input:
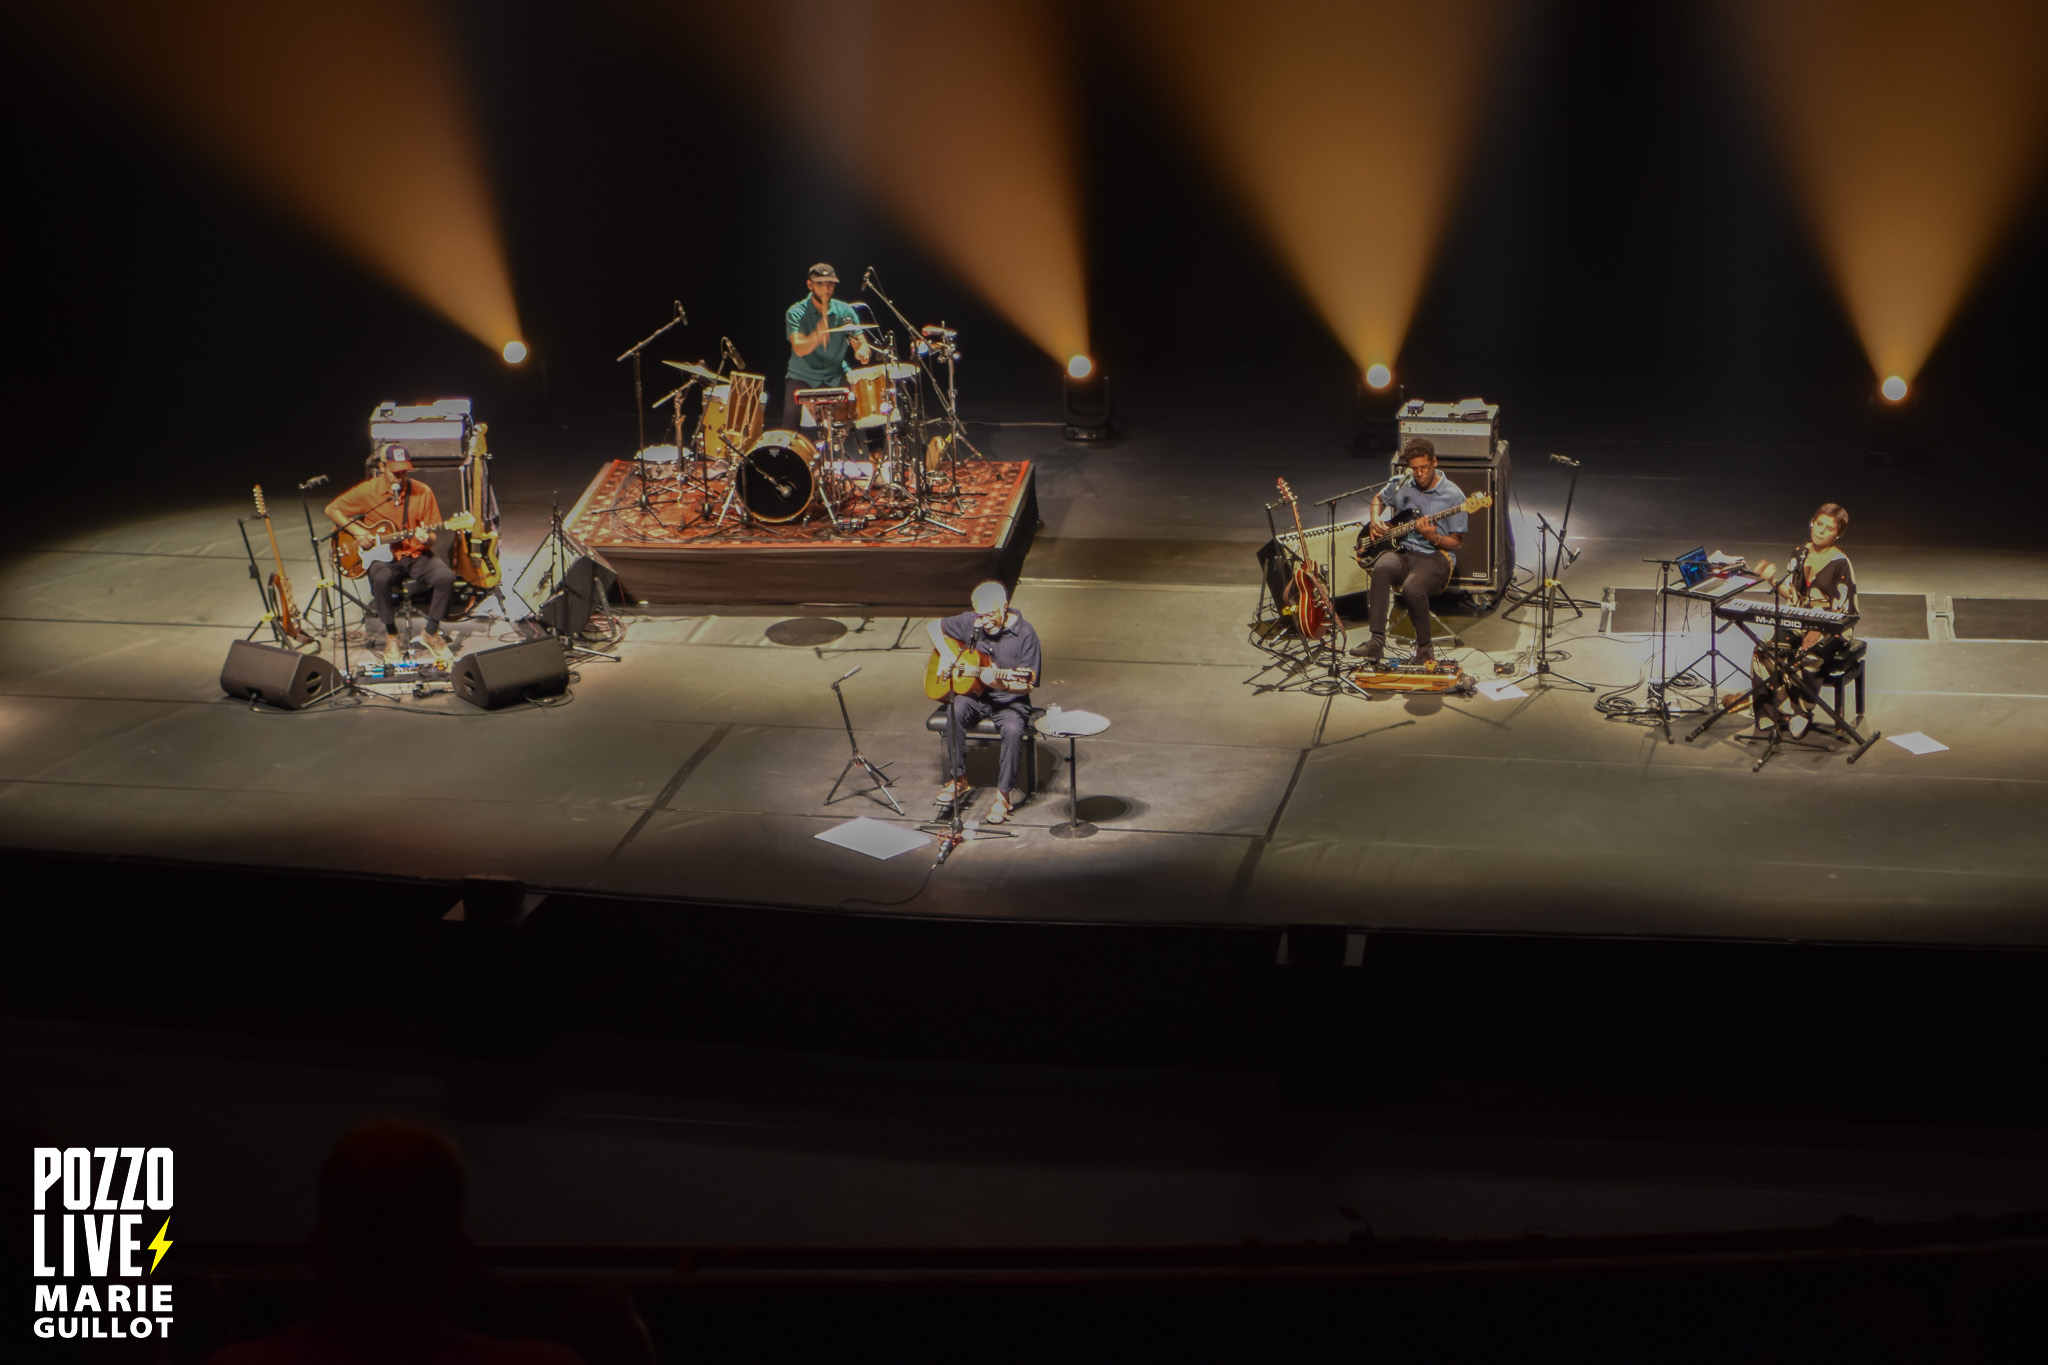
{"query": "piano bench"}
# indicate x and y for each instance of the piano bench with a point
(1846, 668)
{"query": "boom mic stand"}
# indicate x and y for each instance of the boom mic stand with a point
(633, 354)
(943, 347)
(881, 781)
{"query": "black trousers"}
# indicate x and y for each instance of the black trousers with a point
(439, 578)
(1417, 577)
(1010, 716)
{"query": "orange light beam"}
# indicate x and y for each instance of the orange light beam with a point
(987, 177)
(1343, 125)
(1911, 131)
(350, 113)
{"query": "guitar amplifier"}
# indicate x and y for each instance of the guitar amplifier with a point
(1466, 430)
(1470, 450)
(434, 434)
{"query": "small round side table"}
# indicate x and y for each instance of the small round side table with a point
(1072, 726)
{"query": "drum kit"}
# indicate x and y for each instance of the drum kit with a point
(866, 454)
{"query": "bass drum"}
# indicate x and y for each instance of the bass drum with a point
(778, 477)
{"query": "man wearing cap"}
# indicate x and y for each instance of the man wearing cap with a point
(1011, 645)
(393, 501)
(817, 354)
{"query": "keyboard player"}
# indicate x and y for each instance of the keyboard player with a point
(1818, 575)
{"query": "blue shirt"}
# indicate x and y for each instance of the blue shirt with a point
(1013, 647)
(825, 366)
(1435, 500)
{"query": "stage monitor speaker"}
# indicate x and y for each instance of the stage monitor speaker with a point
(510, 674)
(283, 678)
(585, 585)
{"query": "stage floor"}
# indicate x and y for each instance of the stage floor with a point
(697, 765)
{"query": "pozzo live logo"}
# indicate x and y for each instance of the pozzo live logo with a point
(92, 1264)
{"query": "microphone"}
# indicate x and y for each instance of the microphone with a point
(867, 279)
(1563, 461)
(680, 315)
(315, 481)
(732, 353)
(849, 673)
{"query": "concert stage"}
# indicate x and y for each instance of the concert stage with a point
(669, 550)
(699, 763)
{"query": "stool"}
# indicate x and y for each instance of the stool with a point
(984, 730)
(1843, 669)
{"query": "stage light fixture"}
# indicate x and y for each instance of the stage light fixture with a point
(1086, 403)
(515, 351)
(1893, 388)
(1379, 376)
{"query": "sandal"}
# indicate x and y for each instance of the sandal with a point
(1000, 809)
(952, 793)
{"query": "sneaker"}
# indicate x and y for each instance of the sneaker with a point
(444, 658)
(952, 793)
(393, 655)
(1425, 658)
(999, 813)
(1372, 651)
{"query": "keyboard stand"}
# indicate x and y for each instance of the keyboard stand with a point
(1785, 671)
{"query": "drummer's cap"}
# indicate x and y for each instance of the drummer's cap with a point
(397, 455)
(823, 271)
(990, 596)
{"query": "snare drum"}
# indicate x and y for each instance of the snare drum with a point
(874, 396)
(779, 476)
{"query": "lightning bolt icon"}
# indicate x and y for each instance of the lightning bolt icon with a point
(159, 1244)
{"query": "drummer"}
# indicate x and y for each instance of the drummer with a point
(817, 351)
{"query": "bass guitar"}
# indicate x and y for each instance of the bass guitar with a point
(283, 611)
(956, 668)
(1307, 602)
(1371, 547)
(354, 554)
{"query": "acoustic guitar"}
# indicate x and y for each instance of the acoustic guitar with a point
(1371, 547)
(956, 668)
(354, 554)
(1307, 598)
(283, 610)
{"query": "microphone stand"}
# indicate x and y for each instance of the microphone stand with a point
(881, 781)
(956, 429)
(633, 354)
(1330, 582)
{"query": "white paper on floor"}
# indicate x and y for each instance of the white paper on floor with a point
(876, 838)
(1917, 743)
(1500, 691)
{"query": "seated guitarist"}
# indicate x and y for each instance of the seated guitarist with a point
(392, 501)
(1787, 669)
(1420, 563)
(995, 629)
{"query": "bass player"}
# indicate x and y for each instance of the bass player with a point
(392, 501)
(995, 629)
(1420, 564)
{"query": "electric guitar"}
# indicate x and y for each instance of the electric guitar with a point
(474, 555)
(354, 554)
(1307, 602)
(1371, 547)
(286, 614)
(957, 666)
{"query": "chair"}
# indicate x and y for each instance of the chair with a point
(984, 731)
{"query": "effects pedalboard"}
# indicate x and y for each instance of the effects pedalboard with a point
(1437, 678)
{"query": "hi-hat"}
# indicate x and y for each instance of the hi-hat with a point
(691, 367)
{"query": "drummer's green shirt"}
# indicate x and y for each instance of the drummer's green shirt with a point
(827, 364)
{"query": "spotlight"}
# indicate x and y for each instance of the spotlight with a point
(1085, 402)
(1893, 388)
(1373, 414)
(515, 351)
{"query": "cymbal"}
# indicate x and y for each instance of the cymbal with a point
(902, 370)
(692, 367)
(858, 327)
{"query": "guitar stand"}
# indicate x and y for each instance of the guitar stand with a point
(1786, 672)
(880, 782)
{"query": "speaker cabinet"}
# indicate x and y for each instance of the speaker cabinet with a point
(283, 678)
(508, 675)
(586, 584)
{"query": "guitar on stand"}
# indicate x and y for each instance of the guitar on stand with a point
(281, 613)
(1307, 603)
